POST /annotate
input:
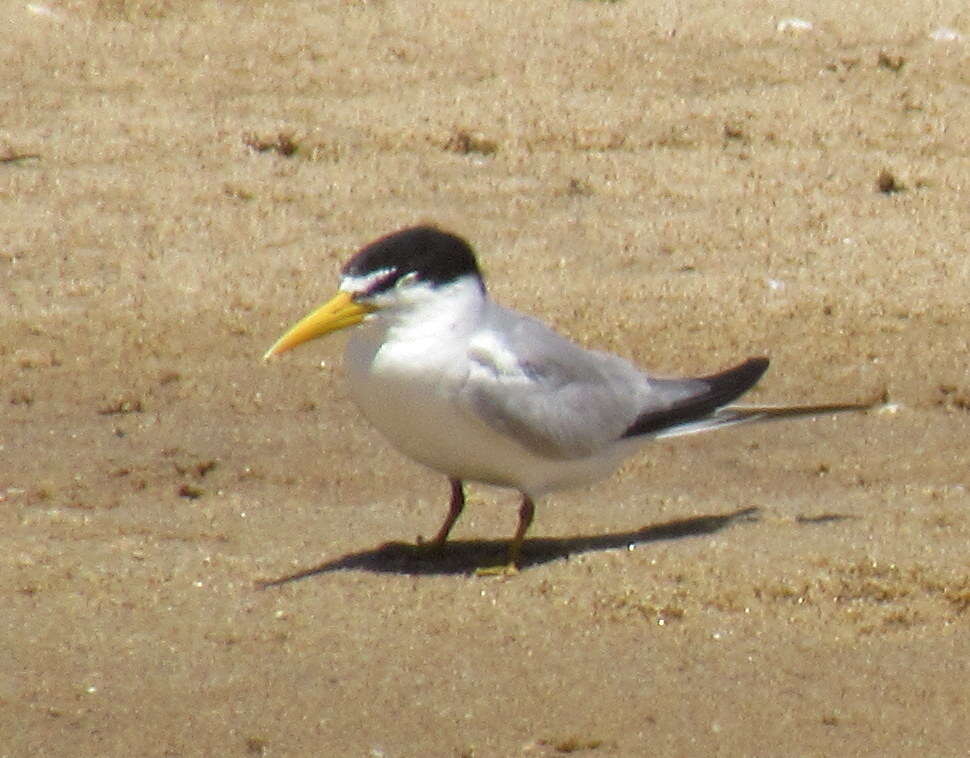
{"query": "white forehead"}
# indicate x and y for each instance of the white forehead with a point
(356, 284)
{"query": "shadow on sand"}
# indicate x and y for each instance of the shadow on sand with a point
(464, 556)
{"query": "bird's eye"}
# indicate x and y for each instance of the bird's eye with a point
(407, 280)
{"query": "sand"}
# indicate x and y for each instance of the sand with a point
(686, 186)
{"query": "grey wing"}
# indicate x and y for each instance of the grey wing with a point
(554, 397)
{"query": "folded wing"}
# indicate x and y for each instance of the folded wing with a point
(563, 402)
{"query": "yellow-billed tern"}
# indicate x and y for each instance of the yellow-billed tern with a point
(479, 392)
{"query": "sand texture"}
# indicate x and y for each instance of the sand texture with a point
(683, 184)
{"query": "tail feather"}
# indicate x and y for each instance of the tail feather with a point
(742, 414)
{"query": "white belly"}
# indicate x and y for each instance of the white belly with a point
(411, 395)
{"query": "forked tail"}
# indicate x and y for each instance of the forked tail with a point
(741, 414)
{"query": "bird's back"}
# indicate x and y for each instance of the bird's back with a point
(555, 397)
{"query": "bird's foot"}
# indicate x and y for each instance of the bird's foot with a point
(506, 569)
(428, 547)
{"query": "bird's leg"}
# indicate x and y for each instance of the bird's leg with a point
(526, 512)
(454, 511)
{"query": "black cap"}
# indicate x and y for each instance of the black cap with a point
(434, 256)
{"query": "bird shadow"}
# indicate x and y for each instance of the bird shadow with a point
(465, 556)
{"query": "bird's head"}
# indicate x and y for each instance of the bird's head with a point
(393, 273)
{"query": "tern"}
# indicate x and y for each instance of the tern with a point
(479, 392)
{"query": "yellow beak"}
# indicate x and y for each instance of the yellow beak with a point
(338, 313)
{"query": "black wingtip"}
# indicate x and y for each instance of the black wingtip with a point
(735, 381)
(723, 388)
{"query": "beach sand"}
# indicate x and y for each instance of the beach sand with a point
(686, 187)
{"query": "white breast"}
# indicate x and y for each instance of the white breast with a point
(409, 390)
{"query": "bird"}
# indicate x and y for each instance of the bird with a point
(479, 392)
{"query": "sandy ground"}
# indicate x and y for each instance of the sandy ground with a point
(684, 186)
